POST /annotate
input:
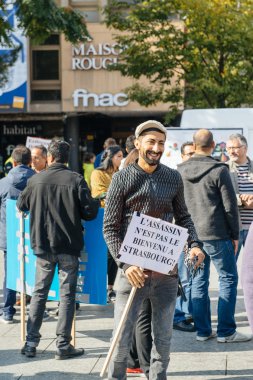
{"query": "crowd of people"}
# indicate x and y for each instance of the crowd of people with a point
(213, 200)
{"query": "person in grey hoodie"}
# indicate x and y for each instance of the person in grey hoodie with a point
(10, 188)
(211, 201)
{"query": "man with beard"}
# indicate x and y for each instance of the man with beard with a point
(241, 172)
(155, 190)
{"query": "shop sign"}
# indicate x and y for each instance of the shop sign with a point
(95, 56)
(13, 95)
(82, 97)
(18, 130)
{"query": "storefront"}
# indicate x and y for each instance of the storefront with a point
(94, 98)
(68, 91)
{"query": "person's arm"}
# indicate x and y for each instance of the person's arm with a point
(229, 202)
(113, 216)
(89, 205)
(23, 202)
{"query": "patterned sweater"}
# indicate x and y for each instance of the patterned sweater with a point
(160, 195)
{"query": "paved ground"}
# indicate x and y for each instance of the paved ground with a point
(190, 360)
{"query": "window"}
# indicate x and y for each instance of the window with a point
(46, 95)
(45, 70)
(45, 64)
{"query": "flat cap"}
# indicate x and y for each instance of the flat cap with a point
(150, 125)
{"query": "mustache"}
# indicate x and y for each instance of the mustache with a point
(152, 152)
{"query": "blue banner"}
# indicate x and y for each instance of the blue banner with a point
(92, 275)
(13, 95)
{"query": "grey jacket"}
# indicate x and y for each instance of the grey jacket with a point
(210, 198)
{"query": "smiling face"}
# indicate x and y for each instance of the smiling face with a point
(151, 148)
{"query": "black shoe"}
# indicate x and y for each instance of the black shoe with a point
(189, 320)
(28, 351)
(184, 326)
(69, 353)
(111, 296)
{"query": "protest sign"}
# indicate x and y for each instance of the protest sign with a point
(152, 243)
(31, 142)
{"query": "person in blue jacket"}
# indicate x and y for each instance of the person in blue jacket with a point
(10, 188)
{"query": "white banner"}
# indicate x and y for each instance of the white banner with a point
(31, 142)
(152, 243)
(177, 136)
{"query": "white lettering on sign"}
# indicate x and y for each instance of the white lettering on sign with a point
(99, 49)
(18, 130)
(92, 63)
(81, 97)
(95, 56)
(152, 243)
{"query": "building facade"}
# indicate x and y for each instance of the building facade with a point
(69, 92)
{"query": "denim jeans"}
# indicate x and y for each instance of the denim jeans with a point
(221, 252)
(67, 271)
(140, 351)
(9, 294)
(242, 239)
(161, 290)
(183, 308)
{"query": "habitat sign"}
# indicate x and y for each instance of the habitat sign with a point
(92, 274)
(152, 243)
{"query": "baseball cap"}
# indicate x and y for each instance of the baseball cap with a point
(151, 125)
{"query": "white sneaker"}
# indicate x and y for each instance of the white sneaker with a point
(204, 338)
(234, 338)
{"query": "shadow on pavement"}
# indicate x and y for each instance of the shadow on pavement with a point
(210, 373)
(50, 375)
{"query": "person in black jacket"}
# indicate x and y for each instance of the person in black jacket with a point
(57, 199)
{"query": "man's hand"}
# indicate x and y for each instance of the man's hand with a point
(135, 276)
(235, 245)
(198, 254)
(247, 200)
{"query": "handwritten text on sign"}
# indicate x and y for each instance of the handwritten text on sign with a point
(152, 243)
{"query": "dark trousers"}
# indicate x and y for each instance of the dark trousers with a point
(9, 294)
(139, 356)
(67, 271)
(112, 269)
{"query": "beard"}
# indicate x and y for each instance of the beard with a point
(151, 161)
(233, 158)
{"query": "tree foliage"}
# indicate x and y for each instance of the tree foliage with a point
(197, 51)
(39, 19)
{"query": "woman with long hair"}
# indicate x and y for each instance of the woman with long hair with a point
(100, 181)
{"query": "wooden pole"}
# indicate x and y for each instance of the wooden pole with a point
(73, 330)
(118, 331)
(22, 275)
